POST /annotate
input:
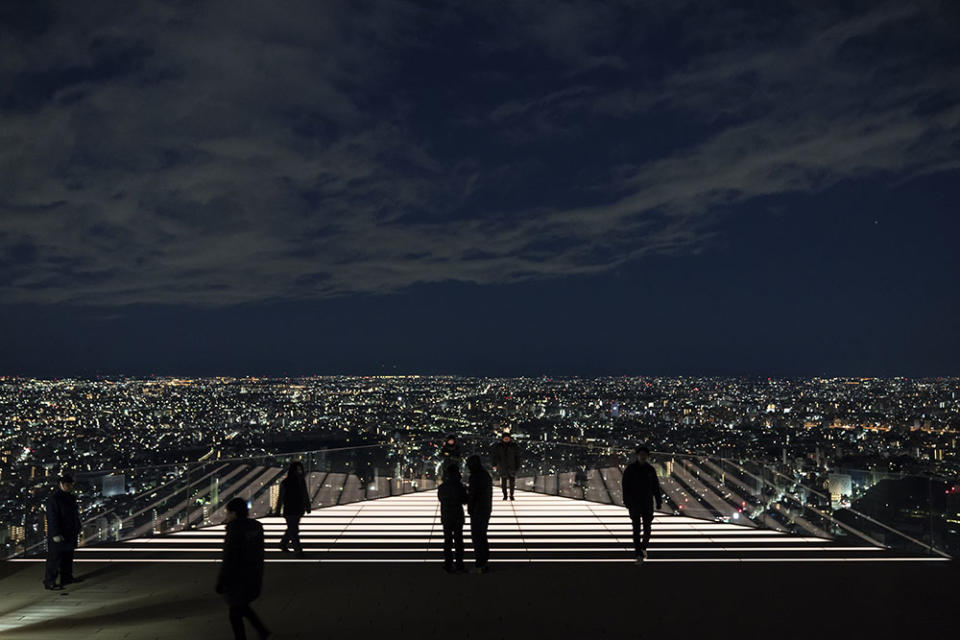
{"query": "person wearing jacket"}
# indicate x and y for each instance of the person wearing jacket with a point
(292, 503)
(506, 462)
(479, 506)
(453, 495)
(63, 533)
(241, 571)
(641, 490)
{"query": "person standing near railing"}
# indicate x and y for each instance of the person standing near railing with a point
(641, 490)
(292, 503)
(452, 495)
(63, 534)
(479, 506)
(506, 462)
(241, 571)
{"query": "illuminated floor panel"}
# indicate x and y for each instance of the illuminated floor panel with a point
(534, 528)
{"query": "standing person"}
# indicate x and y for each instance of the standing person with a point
(506, 462)
(450, 452)
(293, 502)
(453, 495)
(641, 489)
(241, 572)
(63, 533)
(479, 506)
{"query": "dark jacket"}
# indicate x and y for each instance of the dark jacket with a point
(506, 458)
(480, 493)
(641, 487)
(63, 517)
(241, 572)
(294, 499)
(450, 451)
(453, 495)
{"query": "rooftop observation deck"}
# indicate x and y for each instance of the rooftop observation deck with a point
(561, 568)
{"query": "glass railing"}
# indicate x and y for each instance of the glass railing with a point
(908, 513)
(140, 502)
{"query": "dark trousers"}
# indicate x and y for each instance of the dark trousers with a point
(452, 537)
(510, 480)
(59, 561)
(642, 520)
(240, 611)
(478, 535)
(292, 534)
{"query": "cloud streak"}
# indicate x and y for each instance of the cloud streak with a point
(231, 153)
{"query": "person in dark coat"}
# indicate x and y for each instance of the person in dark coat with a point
(506, 462)
(241, 572)
(479, 506)
(641, 489)
(453, 495)
(63, 534)
(293, 502)
(449, 452)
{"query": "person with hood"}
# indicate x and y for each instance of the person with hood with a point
(506, 462)
(63, 534)
(479, 506)
(641, 489)
(293, 502)
(241, 571)
(453, 495)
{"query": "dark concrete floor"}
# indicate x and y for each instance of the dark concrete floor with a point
(522, 601)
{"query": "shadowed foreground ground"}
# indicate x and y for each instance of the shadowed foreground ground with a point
(744, 600)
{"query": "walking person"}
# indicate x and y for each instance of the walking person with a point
(453, 495)
(63, 534)
(479, 506)
(292, 503)
(506, 462)
(241, 572)
(641, 490)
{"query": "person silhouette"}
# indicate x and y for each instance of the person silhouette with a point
(506, 462)
(452, 495)
(241, 571)
(292, 503)
(63, 534)
(641, 489)
(479, 506)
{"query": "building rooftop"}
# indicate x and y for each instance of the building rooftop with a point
(561, 568)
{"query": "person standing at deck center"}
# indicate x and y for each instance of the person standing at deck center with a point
(452, 495)
(479, 506)
(293, 502)
(506, 462)
(641, 490)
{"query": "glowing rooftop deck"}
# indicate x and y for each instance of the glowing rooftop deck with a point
(534, 528)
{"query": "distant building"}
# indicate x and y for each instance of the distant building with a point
(114, 484)
(841, 488)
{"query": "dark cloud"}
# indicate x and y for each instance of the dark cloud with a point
(222, 152)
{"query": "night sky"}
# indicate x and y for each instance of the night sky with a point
(480, 187)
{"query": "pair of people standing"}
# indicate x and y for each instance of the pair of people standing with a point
(478, 496)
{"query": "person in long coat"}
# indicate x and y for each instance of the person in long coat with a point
(241, 571)
(63, 534)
